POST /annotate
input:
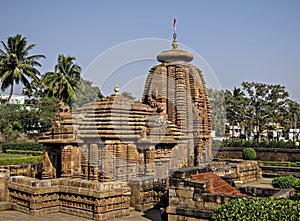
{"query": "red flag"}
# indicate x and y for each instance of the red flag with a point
(174, 21)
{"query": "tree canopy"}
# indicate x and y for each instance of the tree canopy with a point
(63, 82)
(16, 65)
(254, 107)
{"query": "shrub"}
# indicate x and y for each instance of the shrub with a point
(34, 146)
(280, 144)
(20, 160)
(286, 182)
(216, 143)
(272, 144)
(295, 197)
(249, 154)
(258, 208)
(27, 152)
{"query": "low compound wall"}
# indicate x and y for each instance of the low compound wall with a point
(89, 199)
(266, 192)
(29, 169)
(273, 171)
(189, 200)
(147, 193)
(266, 154)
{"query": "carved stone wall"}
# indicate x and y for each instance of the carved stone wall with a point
(114, 138)
(192, 200)
(89, 199)
(178, 89)
(147, 193)
(29, 169)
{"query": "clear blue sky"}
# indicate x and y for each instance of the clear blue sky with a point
(253, 40)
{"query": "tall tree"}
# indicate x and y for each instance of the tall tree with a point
(235, 105)
(64, 81)
(128, 95)
(218, 110)
(16, 65)
(289, 114)
(236, 108)
(90, 93)
(277, 101)
(266, 104)
(257, 106)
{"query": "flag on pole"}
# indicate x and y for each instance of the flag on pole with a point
(174, 22)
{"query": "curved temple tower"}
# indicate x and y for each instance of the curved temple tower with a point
(177, 88)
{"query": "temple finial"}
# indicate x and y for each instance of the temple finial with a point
(117, 89)
(174, 43)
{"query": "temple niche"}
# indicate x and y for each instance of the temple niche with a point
(116, 138)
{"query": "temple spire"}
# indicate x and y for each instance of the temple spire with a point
(175, 43)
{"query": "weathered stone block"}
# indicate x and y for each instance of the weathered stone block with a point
(184, 193)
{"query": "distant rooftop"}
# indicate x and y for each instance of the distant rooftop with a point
(15, 99)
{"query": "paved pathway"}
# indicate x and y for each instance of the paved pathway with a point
(12, 215)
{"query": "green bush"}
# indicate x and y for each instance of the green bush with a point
(249, 154)
(258, 208)
(25, 152)
(286, 182)
(33, 146)
(272, 144)
(295, 197)
(20, 160)
(216, 143)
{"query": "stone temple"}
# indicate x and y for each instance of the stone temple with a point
(116, 138)
(114, 154)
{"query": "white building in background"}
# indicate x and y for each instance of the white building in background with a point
(233, 130)
(294, 134)
(15, 99)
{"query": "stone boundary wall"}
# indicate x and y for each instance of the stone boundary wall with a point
(189, 200)
(266, 192)
(89, 199)
(272, 171)
(266, 154)
(147, 193)
(29, 169)
(236, 170)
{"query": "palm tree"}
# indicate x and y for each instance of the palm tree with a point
(63, 82)
(17, 65)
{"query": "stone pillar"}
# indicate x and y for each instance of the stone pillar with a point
(93, 162)
(47, 172)
(84, 162)
(66, 161)
(76, 159)
(149, 162)
(132, 161)
(4, 174)
(120, 161)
